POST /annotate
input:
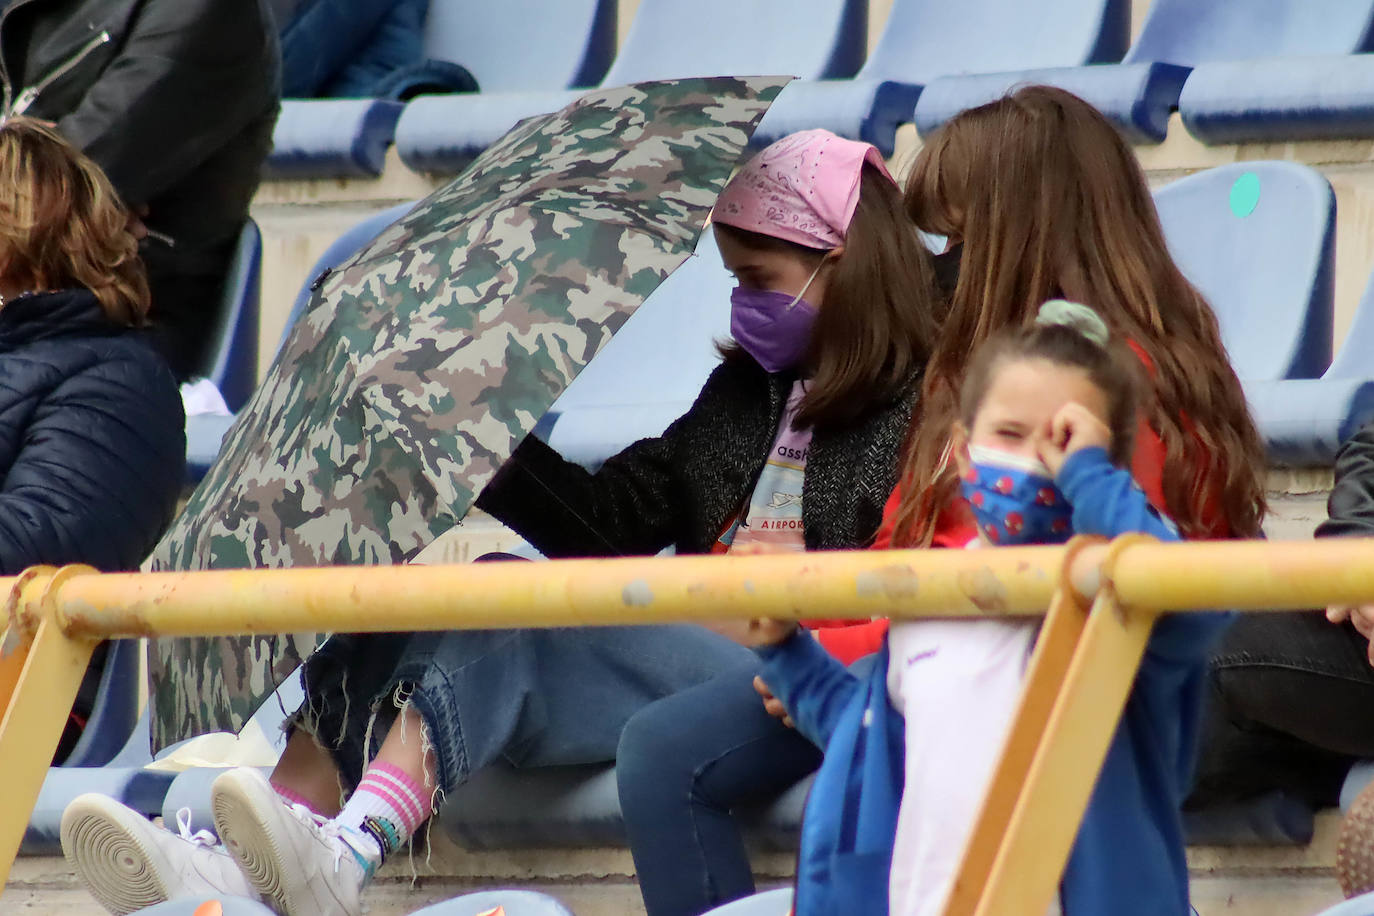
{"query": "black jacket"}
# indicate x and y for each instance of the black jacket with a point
(177, 107)
(1350, 507)
(91, 436)
(682, 487)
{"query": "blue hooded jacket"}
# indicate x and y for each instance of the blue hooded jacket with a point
(1128, 859)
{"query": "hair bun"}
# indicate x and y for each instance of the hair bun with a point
(1073, 315)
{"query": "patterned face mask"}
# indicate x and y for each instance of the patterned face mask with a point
(1015, 499)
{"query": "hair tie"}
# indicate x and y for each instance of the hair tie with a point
(1074, 315)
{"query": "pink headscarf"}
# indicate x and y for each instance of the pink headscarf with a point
(803, 189)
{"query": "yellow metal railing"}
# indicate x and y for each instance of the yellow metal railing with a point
(1102, 600)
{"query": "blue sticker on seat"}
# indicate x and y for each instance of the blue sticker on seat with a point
(1245, 194)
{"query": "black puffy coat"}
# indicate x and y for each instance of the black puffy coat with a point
(92, 436)
(682, 487)
(177, 106)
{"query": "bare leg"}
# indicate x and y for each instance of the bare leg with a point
(306, 769)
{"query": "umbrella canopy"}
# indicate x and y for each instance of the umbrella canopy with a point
(420, 365)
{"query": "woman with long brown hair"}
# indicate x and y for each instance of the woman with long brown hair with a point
(1047, 201)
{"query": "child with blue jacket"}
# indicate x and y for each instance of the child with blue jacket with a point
(1048, 416)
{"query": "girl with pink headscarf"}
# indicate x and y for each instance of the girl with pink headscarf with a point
(804, 421)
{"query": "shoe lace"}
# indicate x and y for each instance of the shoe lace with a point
(327, 829)
(198, 837)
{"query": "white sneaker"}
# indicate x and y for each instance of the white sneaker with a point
(299, 862)
(128, 863)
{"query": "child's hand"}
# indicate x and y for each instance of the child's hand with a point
(1073, 427)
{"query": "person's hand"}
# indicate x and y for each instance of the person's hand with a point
(135, 225)
(1073, 427)
(761, 631)
(1361, 617)
(771, 704)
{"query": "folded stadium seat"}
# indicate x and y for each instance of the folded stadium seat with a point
(232, 363)
(507, 46)
(504, 902)
(205, 433)
(1258, 240)
(650, 372)
(811, 39)
(926, 39)
(1178, 35)
(1304, 421)
(331, 138)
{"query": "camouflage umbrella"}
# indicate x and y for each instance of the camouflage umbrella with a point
(420, 364)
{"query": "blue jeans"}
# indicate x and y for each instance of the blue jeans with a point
(345, 48)
(531, 697)
(685, 763)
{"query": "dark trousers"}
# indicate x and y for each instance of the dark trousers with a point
(1291, 705)
(684, 765)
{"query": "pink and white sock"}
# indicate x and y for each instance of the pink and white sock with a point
(385, 794)
(292, 798)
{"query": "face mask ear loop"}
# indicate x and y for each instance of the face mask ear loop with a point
(793, 304)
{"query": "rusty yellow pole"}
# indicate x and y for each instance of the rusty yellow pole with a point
(564, 593)
(1040, 835)
(50, 667)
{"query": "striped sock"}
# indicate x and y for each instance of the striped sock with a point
(387, 808)
(292, 798)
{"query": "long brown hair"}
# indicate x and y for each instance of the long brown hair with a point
(877, 325)
(62, 225)
(1050, 202)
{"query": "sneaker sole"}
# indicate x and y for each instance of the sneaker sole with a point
(120, 870)
(244, 825)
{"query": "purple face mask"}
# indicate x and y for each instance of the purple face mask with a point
(772, 327)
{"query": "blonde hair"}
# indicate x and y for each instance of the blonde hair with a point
(63, 226)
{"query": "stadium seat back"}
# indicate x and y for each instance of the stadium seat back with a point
(925, 39)
(808, 39)
(1257, 238)
(232, 360)
(505, 902)
(521, 45)
(1191, 32)
(1356, 356)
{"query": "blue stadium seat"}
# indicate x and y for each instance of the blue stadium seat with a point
(1178, 35)
(125, 778)
(205, 433)
(769, 903)
(1258, 238)
(652, 369)
(1288, 98)
(1362, 905)
(331, 138)
(811, 39)
(232, 363)
(1304, 421)
(510, 902)
(513, 45)
(926, 39)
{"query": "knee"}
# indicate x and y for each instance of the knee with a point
(649, 757)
